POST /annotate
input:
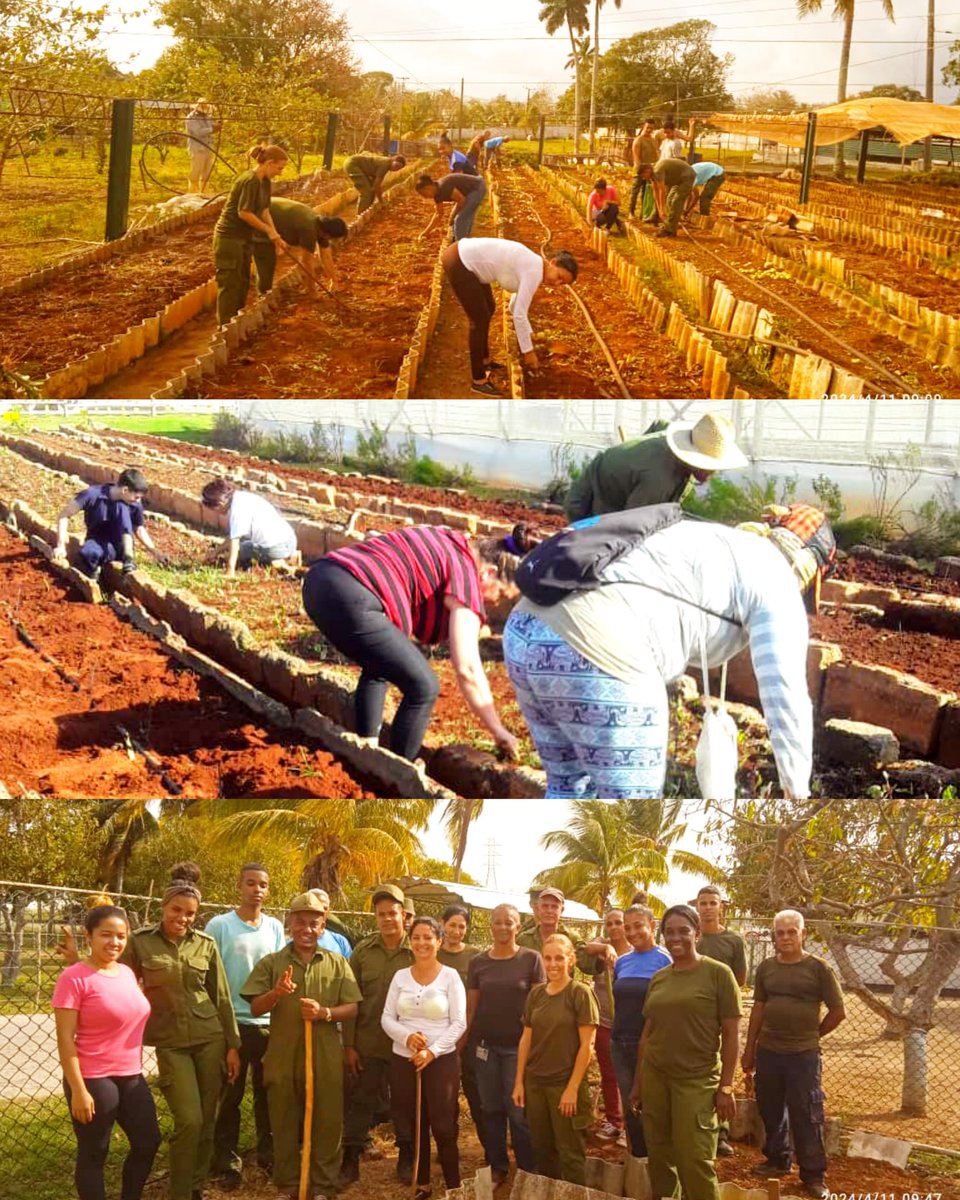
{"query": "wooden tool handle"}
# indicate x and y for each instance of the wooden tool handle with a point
(307, 1111)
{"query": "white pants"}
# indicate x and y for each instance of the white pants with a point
(201, 164)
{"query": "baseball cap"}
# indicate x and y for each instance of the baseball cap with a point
(306, 902)
(551, 891)
(386, 891)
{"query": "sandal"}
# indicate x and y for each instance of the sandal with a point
(423, 1193)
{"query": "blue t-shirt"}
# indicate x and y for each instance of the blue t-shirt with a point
(705, 171)
(631, 977)
(241, 948)
(336, 943)
(105, 518)
(493, 143)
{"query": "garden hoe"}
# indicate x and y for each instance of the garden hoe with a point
(321, 291)
(307, 1110)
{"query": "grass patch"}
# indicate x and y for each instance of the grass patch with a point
(187, 427)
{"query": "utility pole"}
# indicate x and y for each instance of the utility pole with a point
(928, 142)
(403, 80)
(460, 118)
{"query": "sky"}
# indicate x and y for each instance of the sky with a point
(516, 827)
(433, 44)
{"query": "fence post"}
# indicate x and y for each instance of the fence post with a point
(862, 156)
(121, 158)
(809, 153)
(331, 141)
(543, 131)
(386, 133)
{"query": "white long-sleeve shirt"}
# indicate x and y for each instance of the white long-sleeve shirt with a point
(438, 1010)
(631, 631)
(513, 266)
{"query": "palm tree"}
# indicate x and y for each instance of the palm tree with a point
(457, 817)
(365, 840)
(125, 823)
(842, 9)
(597, 5)
(573, 14)
(613, 849)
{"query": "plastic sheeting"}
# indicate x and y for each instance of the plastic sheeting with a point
(908, 121)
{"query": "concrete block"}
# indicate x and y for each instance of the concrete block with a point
(947, 567)
(888, 698)
(942, 617)
(820, 657)
(858, 744)
(879, 1148)
(843, 591)
(636, 1179)
(948, 741)
(746, 1125)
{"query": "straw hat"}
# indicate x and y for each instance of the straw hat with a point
(202, 105)
(706, 445)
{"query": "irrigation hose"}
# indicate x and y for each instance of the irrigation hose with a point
(878, 368)
(155, 140)
(608, 355)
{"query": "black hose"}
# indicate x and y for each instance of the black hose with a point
(156, 140)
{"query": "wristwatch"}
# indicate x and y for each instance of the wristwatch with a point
(726, 1090)
(329, 1016)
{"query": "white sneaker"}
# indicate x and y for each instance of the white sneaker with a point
(622, 1139)
(607, 1132)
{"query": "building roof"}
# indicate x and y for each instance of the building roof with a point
(907, 120)
(483, 898)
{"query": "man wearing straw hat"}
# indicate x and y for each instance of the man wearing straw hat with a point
(655, 468)
(200, 128)
(303, 986)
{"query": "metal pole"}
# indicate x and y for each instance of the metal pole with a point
(121, 158)
(331, 141)
(928, 142)
(809, 150)
(386, 133)
(862, 156)
(460, 118)
(543, 131)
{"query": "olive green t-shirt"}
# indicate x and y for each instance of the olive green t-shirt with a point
(460, 961)
(674, 172)
(636, 473)
(249, 194)
(726, 947)
(555, 1021)
(791, 994)
(682, 1015)
(376, 167)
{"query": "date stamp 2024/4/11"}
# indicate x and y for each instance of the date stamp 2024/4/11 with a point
(886, 1196)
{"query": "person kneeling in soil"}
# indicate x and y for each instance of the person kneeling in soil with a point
(256, 533)
(113, 514)
(467, 193)
(603, 207)
(618, 606)
(307, 237)
(304, 987)
(472, 266)
(426, 583)
(367, 173)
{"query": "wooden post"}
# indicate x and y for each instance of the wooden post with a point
(543, 131)
(862, 156)
(121, 158)
(809, 153)
(307, 1111)
(331, 141)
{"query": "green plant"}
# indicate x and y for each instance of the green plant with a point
(730, 503)
(235, 433)
(566, 470)
(893, 475)
(375, 455)
(828, 493)
(938, 528)
(859, 531)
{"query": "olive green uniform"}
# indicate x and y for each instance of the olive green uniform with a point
(374, 966)
(727, 947)
(679, 178)
(191, 1024)
(232, 240)
(558, 1141)
(367, 172)
(680, 1075)
(327, 978)
(640, 472)
(532, 938)
(297, 225)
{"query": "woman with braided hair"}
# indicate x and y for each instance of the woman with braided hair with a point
(427, 583)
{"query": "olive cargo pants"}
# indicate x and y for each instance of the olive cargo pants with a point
(191, 1080)
(231, 259)
(558, 1141)
(680, 1127)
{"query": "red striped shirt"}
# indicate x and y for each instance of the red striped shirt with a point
(411, 571)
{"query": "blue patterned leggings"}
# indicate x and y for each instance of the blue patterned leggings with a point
(597, 736)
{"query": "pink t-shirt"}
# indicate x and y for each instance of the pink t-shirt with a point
(595, 201)
(113, 1012)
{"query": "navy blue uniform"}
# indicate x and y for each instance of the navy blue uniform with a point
(107, 521)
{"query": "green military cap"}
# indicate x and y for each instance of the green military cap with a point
(408, 906)
(307, 902)
(388, 891)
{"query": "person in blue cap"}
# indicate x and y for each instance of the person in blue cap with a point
(113, 513)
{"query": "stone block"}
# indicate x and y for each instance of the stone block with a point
(948, 742)
(746, 1125)
(880, 1148)
(843, 591)
(820, 657)
(858, 744)
(947, 567)
(636, 1179)
(942, 617)
(885, 697)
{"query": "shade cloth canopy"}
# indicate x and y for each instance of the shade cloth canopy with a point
(908, 121)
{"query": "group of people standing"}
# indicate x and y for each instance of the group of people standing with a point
(664, 183)
(413, 1012)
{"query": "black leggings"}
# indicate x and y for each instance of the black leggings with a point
(439, 1109)
(477, 301)
(124, 1100)
(351, 617)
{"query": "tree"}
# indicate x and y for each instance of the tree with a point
(124, 824)
(951, 68)
(439, 868)
(895, 91)
(597, 5)
(367, 840)
(883, 877)
(844, 10)
(658, 70)
(53, 842)
(573, 14)
(457, 818)
(774, 100)
(610, 850)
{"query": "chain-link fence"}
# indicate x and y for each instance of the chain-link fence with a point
(863, 1066)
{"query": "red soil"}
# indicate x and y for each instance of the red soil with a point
(868, 570)
(935, 660)
(63, 742)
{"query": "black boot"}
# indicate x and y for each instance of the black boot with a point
(350, 1168)
(405, 1162)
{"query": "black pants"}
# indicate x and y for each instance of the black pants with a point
(476, 300)
(790, 1100)
(124, 1100)
(640, 186)
(351, 618)
(254, 1040)
(440, 1083)
(608, 216)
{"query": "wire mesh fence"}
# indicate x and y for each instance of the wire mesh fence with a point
(863, 1064)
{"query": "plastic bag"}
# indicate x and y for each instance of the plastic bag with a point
(717, 755)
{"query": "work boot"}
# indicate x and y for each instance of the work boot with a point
(230, 1181)
(350, 1169)
(128, 566)
(724, 1149)
(664, 233)
(486, 388)
(405, 1162)
(768, 1169)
